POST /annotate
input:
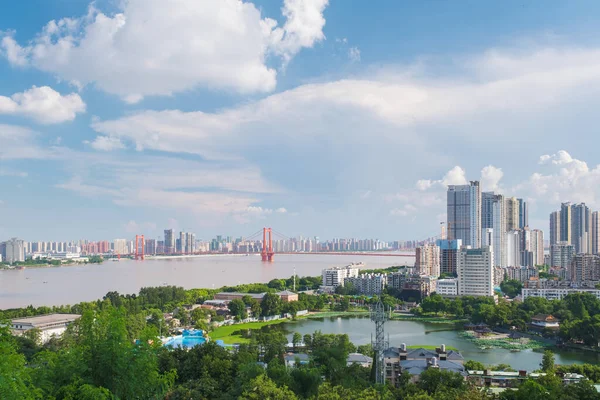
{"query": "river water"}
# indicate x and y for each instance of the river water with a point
(421, 333)
(72, 284)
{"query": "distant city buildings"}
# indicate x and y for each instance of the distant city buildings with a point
(561, 254)
(13, 250)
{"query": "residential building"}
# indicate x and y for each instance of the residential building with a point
(427, 261)
(523, 214)
(595, 232)
(581, 228)
(556, 293)
(49, 325)
(554, 227)
(522, 274)
(120, 246)
(561, 254)
(512, 213)
(287, 296)
(368, 284)
(464, 213)
(360, 359)
(447, 287)
(475, 273)
(13, 250)
(150, 246)
(565, 223)
(537, 247)
(334, 277)
(449, 251)
(169, 241)
(513, 248)
(584, 267)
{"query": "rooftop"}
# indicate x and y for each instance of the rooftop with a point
(41, 320)
(285, 293)
(358, 358)
(253, 295)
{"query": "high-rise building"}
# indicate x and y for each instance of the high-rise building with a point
(475, 272)
(561, 254)
(523, 214)
(427, 260)
(464, 213)
(13, 250)
(368, 284)
(581, 228)
(493, 217)
(554, 227)
(150, 246)
(120, 246)
(511, 210)
(584, 267)
(595, 232)
(513, 248)
(449, 252)
(169, 241)
(565, 223)
(537, 247)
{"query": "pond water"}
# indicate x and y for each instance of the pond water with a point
(421, 333)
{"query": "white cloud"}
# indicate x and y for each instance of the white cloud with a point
(354, 54)
(19, 143)
(406, 210)
(151, 47)
(43, 104)
(490, 178)
(17, 174)
(106, 143)
(138, 228)
(560, 158)
(455, 176)
(281, 210)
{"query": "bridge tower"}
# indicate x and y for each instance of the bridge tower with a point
(139, 247)
(267, 245)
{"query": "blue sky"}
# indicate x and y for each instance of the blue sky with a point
(316, 118)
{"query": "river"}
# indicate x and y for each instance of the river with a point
(72, 284)
(420, 333)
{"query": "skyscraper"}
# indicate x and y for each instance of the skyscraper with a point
(493, 217)
(561, 254)
(512, 213)
(513, 249)
(427, 261)
(523, 214)
(581, 228)
(565, 223)
(449, 252)
(169, 241)
(595, 232)
(554, 227)
(464, 213)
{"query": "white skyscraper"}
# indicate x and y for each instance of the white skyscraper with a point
(493, 217)
(513, 249)
(464, 213)
(475, 272)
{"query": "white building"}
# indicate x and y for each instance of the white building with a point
(447, 287)
(475, 272)
(334, 277)
(556, 293)
(49, 325)
(513, 249)
(368, 284)
(120, 246)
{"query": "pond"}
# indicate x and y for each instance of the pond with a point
(422, 333)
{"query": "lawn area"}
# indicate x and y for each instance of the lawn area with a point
(429, 347)
(328, 314)
(225, 333)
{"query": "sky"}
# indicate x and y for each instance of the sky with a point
(339, 118)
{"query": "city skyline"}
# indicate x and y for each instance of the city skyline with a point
(349, 121)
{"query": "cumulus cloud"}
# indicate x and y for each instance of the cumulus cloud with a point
(214, 44)
(455, 176)
(43, 104)
(490, 178)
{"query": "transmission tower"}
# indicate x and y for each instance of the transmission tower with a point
(380, 344)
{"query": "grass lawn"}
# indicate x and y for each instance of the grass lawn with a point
(225, 333)
(429, 347)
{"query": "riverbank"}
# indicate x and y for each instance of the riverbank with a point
(431, 320)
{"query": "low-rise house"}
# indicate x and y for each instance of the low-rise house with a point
(360, 359)
(48, 325)
(288, 296)
(237, 295)
(293, 359)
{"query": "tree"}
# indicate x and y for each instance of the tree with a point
(237, 308)
(547, 361)
(270, 305)
(511, 287)
(263, 388)
(296, 340)
(277, 284)
(15, 383)
(472, 365)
